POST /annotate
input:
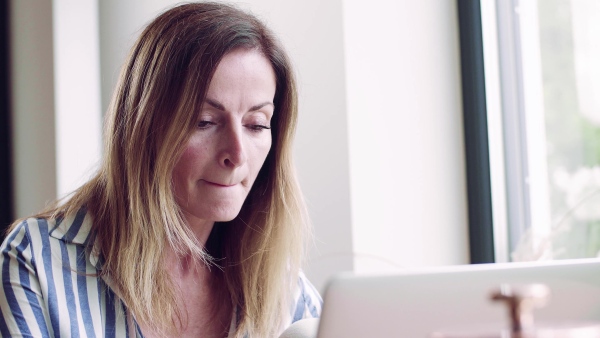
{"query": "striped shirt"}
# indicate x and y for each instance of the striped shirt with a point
(45, 294)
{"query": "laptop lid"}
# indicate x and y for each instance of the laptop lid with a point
(417, 303)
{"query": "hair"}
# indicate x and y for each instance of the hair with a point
(135, 217)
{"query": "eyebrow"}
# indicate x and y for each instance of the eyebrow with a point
(219, 106)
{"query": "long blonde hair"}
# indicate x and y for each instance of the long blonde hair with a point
(159, 93)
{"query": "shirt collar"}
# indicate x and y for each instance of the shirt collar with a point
(75, 229)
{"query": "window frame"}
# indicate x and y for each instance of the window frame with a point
(6, 202)
(475, 120)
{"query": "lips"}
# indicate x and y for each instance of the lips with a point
(216, 184)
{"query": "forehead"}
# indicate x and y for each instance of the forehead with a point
(243, 62)
(243, 73)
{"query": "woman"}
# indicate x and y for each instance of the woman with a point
(194, 225)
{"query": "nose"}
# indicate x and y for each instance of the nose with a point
(233, 153)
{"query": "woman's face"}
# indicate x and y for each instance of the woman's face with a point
(230, 141)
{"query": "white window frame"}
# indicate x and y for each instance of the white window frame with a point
(515, 111)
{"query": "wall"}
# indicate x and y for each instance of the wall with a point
(78, 116)
(405, 134)
(379, 146)
(32, 98)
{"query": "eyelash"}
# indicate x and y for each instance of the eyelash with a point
(253, 127)
(205, 124)
(257, 128)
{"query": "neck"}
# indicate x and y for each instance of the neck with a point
(200, 227)
(182, 267)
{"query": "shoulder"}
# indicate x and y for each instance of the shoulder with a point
(40, 231)
(308, 301)
(49, 239)
(50, 283)
(27, 235)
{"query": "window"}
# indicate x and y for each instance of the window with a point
(542, 85)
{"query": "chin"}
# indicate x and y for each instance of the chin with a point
(214, 213)
(226, 215)
(226, 218)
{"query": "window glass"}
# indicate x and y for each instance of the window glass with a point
(549, 77)
(569, 33)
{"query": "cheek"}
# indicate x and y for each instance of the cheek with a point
(262, 152)
(179, 177)
(190, 160)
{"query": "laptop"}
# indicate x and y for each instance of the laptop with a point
(420, 302)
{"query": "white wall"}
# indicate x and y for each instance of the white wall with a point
(55, 97)
(32, 100)
(406, 136)
(78, 116)
(379, 146)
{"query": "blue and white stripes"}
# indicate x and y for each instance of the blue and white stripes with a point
(50, 286)
(308, 301)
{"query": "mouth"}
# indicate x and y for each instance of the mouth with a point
(219, 185)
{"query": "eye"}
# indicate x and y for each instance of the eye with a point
(205, 124)
(257, 127)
